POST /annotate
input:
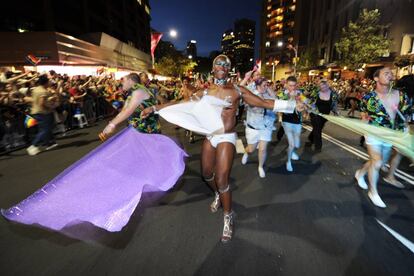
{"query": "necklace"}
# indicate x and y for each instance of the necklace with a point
(220, 81)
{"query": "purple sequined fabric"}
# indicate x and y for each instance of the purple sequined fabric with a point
(105, 186)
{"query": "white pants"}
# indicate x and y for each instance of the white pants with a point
(253, 136)
(292, 132)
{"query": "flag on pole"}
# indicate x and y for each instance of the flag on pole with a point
(155, 38)
(258, 65)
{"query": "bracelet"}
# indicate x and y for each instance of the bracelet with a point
(111, 125)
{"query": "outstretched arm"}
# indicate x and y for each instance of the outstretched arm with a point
(17, 77)
(275, 105)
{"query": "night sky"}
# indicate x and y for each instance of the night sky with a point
(203, 21)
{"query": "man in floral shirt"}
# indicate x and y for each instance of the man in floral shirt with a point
(383, 107)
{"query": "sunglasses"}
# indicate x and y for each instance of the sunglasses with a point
(222, 63)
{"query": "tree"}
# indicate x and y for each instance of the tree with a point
(170, 66)
(171, 62)
(363, 42)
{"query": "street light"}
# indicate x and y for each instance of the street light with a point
(274, 63)
(295, 49)
(173, 33)
(190, 56)
(280, 44)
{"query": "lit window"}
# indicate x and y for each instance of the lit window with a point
(293, 8)
(267, 44)
(139, 1)
(147, 9)
(279, 18)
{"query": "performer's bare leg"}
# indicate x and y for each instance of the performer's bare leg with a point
(224, 162)
(208, 159)
(377, 155)
(390, 178)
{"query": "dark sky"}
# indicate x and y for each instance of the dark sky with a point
(203, 20)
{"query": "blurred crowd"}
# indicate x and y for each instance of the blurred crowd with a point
(100, 97)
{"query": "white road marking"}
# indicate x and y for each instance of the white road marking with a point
(406, 242)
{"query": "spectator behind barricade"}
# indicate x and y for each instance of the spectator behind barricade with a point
(43, 106)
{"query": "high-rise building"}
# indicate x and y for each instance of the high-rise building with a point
(191, 50)
(227, 47)
(244, 34)
(279, 22)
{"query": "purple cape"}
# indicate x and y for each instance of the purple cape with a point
(105, 186)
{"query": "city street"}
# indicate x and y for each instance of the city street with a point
(314, 221)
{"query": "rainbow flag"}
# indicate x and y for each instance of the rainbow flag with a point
(32, 59)
(29, 121)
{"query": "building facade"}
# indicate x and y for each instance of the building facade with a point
(328, 18)
(279, 28)
(126, 20)
(191, 50)
(244, 34)
(317, 25)
(117, 31)
(227, 47)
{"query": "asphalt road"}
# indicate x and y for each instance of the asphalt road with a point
(314, 221)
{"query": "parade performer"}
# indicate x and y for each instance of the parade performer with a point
(259, 126)
(325, 101)
(105, 186)
(215, 116)
(384, 107)
(292, 123)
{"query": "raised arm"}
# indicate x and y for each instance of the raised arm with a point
(253, 100)
(16, 78)
(86, 83)
(247, 76)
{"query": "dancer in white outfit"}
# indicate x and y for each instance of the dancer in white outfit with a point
(218, 148)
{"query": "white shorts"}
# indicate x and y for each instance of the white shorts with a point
(253, 136)
(293, 128)
(222, 138)
(369, 140)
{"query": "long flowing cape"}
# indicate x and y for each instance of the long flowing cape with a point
(402, 141)
(105, 186)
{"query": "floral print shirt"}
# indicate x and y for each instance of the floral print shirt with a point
(150, 124)
(377, 114)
